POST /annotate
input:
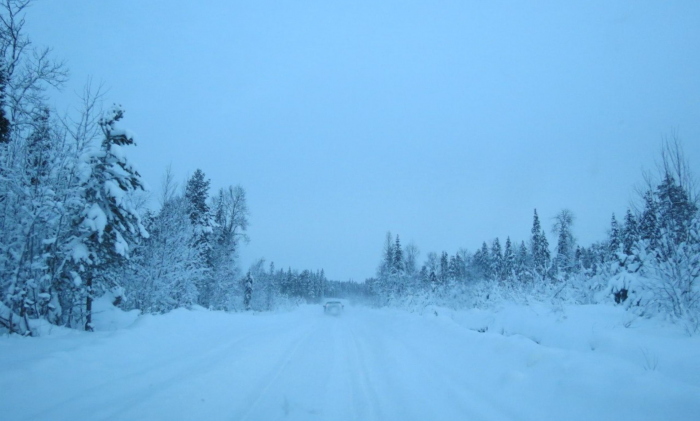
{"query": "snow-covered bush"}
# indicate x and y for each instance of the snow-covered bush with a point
(672, 275)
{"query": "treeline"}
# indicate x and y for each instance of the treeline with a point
(649, 262)
(75, 222)
(74, 225)
(267, 288)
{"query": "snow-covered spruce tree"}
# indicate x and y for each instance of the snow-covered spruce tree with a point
(509, 262)
(630, 233)
(385, 270)
(323, 282)
(196, 195)
(444, 269)
(496, 272)
(107, 223)
(318, 286)
(547, 256)
(456, 268)
(613, 263)
(614, 241)
(389, 254)
(396, 272)
(539, 250)
(286, 287)
(481, 263)
(523, 273)
(247, 291)
(676, 210)
(564, 260)
(648, 224)
(295, 283)
(630, 237)
(398, 262)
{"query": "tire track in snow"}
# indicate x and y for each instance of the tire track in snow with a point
(410, 384)
(364, 384)
(175, 372)
(322, 375)
(272, 377)
(455, 387)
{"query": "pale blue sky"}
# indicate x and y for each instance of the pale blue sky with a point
(444, 121)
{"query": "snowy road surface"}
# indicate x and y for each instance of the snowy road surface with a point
(365, 365)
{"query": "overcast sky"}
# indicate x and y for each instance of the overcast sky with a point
(446, 122)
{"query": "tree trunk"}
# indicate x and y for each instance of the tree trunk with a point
(88, 305)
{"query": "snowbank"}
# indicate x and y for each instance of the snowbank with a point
(106, 316)
(608, 331)
(518, 362)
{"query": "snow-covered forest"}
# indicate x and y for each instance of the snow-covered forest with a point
(76, 224)
(123, 297)
(649, 263)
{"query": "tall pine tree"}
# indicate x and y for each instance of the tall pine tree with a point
(508, 260)
(496, 260)
(565, 242)
(539, 248)
(649, 225)
(196, 195)
(614, 239)
(108, 223)
(630, 233)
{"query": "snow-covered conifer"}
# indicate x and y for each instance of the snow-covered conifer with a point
(614, 239)
(648, 225)
(508, 260)
(630, 233)
(565, 241)
(398, 261)
(108, 224)
(496, 271)
(539, 248)
(247, 291)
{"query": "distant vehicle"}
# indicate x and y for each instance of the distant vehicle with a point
(333, 307)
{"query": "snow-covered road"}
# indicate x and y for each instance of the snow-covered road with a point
(365, 365)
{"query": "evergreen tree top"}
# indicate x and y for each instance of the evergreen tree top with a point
(196, 193)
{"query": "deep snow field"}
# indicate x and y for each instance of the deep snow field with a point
(518, 363)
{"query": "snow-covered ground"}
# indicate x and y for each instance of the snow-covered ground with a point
(520, 363)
